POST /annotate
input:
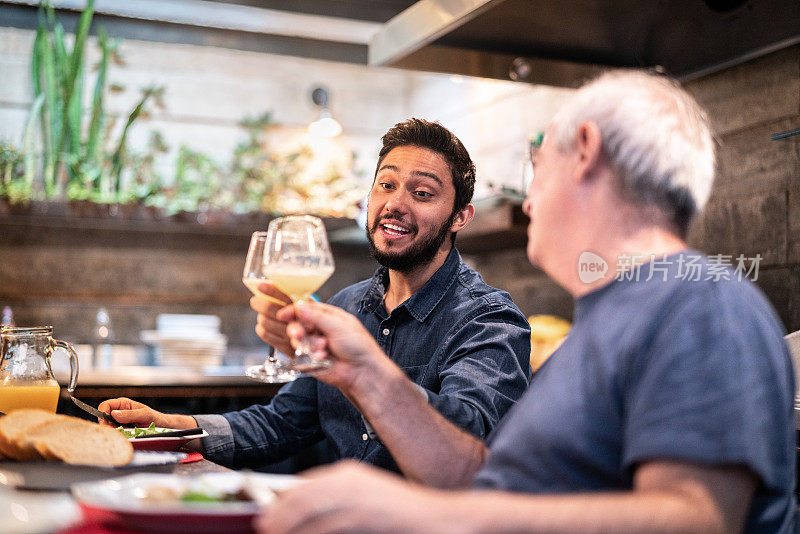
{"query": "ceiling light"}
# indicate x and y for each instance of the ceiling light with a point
(325, 125)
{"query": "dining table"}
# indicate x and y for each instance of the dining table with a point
(55, 509)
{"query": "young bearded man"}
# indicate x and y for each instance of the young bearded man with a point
(668, 408)
(462, 345)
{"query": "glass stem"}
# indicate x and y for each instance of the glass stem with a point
(304, 347)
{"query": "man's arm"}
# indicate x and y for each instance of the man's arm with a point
(425, 445)
(670, 497)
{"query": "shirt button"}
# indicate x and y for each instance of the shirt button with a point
(385, 331)
(364, 437)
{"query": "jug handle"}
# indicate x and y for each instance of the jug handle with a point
(73, 362)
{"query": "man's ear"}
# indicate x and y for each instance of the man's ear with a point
(463, 216)
(590, 150)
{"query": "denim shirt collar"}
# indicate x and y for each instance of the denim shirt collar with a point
(425, 299)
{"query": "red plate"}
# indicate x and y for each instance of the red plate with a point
(123, 501)
(163, 444)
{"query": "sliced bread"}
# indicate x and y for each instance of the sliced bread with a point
(17, 424)
(80, 442)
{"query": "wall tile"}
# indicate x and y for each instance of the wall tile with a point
(15, 71)
(15, 42)
(749, 225)
(794, 202)
(12, 121)
(750, 162)
(781, 287)
(759, 91)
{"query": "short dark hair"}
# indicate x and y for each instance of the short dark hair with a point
(434, 136)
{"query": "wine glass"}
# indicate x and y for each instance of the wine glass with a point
(298, 261)
(272, 370)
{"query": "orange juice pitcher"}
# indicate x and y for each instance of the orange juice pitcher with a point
(26, 379)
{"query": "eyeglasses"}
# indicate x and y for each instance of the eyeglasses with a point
(535, 144)
(527, 173)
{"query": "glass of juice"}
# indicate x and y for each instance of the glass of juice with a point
(298, 261)
(273, 370)
(26, 378)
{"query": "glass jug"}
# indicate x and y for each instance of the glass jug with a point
(26, 378)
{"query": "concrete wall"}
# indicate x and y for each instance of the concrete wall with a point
(755, 204)
(61, 276)
(68, 273)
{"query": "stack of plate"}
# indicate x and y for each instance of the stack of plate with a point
(188, 340)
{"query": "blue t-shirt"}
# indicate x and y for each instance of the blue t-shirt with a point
(662, 369)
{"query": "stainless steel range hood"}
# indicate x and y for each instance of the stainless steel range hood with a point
(561, 42)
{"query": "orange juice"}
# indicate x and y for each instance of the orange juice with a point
(298, 282)
(44, 396)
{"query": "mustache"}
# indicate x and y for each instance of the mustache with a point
(389, 217)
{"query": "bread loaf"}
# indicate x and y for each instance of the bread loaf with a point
(15, 425)
(80, 442)
(30, 435)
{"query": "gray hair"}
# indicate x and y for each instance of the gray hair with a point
(655, 136)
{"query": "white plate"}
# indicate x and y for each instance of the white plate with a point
(60, 476)
(164, 444)
(126, 498)
(25, 512)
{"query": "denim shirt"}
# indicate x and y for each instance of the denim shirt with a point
(465, 343)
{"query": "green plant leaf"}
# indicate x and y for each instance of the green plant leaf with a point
(51, 114)
(75, 67)
(93, 143)
(74, 116)
(119, 154)
(28, 137)
(60, 54)
(36, 81)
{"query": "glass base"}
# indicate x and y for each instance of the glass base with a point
(271, 374)
(304, 363)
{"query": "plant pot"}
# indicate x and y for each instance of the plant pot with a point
(86, 209)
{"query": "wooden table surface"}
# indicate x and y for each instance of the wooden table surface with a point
(196, 468)
(75, 520)
(57, 476)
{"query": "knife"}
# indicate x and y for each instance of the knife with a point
(94, 411)
(173, 433)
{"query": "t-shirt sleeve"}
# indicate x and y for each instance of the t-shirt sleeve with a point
(705, 389)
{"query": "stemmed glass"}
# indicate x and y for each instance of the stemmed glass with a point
(298, 260)
(273, 370)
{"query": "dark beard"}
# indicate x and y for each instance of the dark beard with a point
(420, 253)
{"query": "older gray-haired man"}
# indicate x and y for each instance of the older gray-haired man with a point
(667, 409)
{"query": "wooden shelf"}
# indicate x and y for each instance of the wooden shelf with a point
(497, 226)
(63, 224)
(126, 218)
